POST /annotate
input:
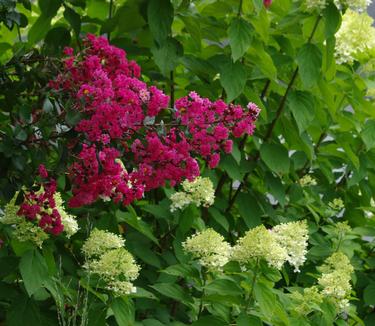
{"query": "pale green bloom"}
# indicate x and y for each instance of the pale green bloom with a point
(113, 265)
(356, 5)
(100, 242)
(335, 279)
(209, 248)
(23, 230)
(120, 288)
(307, 301)
(313, 5)
(68, 220)
(260, 243)
(27, 231)
(107, 258)
(10, 212)
(199, 192)
(307, 180)
(337, 204)
(293, 238)
(355, 38)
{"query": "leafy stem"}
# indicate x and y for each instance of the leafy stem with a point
(204, 280)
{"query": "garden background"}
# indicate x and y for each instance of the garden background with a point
(302, 182)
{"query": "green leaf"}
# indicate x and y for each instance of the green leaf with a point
(247, 320)
(249, 209)
(219, 218)
(233, 78)
(160, 18)
(368, 134)
(309, 59)
(136, 222)
(173, 291)
(276, 157)
(123, 310)
(39, 29)
(229, 165)
(223, 287)
(265, 298)
(210, 320)
(73, 19)
(25, 311)
(240, 35)
(167, 55)
(302, 106)
(34, 271)
(369, 294)
(332, 20)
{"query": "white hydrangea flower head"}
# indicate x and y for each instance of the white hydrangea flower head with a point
(180, 200)
(113, 265)
(100, 242)
(120, 288)
(209, 247)
(69, 221)
(293, 237)
(355, 38)
(335, 279)
(199, 192)
(307, 180)
(260, 243)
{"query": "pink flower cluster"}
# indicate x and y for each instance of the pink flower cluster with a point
(211, 123)
(121, 120)
(39, 206)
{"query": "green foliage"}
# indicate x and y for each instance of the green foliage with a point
(317, 119)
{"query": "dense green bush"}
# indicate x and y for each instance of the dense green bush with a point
(309, 67)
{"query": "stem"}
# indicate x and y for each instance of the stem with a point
(19, 33)
(273, 123)
(110, 16)
(200, 310)
(172, 88)
(249, 299)
(239, 13)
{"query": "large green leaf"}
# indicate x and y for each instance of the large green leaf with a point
(276, 157)
(302, 106)
(123, 310)
(240, 35)
(173, 291)
(369, 294)
(166, 55)
(160, 18)
(233, 79)
(34, 271)
(309, 61)
(368, 134)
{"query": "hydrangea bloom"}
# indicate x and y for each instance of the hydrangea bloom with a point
(293, 237)
(120, 120)
(101, 241)
(335, 279)
(355, 37)
(209, 248)
(199, 192)
(110, 261)
(260, 243)
(307, 301)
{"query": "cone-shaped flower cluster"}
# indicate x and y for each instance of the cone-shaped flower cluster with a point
(120, 119)
(110, 261)
(199, 192)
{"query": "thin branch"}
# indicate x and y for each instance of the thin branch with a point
(273, 123)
